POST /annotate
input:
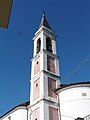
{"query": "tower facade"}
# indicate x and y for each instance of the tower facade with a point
(45, 75)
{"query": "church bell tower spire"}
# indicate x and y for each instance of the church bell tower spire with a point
(45, 74)
(44, 22)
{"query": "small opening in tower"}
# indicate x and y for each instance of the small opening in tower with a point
(49, 44)
(36, 119)
(38, 45)
(37, 62)
(37, 85)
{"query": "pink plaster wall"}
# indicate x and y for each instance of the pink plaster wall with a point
(37, 66)
(36, 114)
(50, 64)
(51, 87)
(36, 89)
(53, 113)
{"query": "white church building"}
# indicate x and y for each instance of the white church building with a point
(49, 99)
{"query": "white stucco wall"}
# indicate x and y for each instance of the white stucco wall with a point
(74, 102)
(19, 113)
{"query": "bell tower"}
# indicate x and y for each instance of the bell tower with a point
(45, 74)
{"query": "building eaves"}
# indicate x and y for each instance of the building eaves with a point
(25, 104)
(61, 86)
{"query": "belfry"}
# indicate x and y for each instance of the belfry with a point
(45, 74)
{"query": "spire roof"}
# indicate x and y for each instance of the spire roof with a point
(44, 22)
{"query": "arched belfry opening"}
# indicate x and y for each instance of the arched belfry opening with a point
(38, 45)
(49, 44)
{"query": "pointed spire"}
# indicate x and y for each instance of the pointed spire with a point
(44, 22)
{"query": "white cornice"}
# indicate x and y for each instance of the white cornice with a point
(47, 30)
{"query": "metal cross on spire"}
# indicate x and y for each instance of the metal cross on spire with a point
(43, 13)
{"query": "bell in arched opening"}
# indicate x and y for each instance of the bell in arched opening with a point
(48, 44)
(38, 45)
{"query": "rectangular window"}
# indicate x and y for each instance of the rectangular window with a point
(50, 64)
(84, 94)
(51, 87)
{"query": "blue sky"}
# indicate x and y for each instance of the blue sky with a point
(71, 21)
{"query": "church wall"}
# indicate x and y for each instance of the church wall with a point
(51, 87)
(50, 64)
(40, 111)
(74, 102)
(36, 114)
(17, 114)
(36, 111)
(36, 66)
(53, 113)
(51, 109)
(36, 89)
